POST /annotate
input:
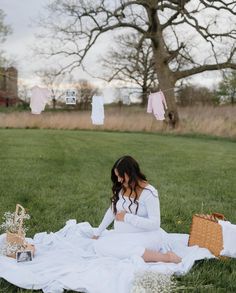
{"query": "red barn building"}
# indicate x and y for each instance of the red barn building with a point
(9, 86)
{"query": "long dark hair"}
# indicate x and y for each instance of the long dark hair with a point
(130, 166)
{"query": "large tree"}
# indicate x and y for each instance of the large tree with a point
(187, 36)
(131, 61)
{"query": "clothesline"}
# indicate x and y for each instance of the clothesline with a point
(166, 90)
(149, 92)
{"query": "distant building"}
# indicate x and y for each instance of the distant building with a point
(9, 86)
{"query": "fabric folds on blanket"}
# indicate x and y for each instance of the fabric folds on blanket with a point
(229, 239)
(68, 259)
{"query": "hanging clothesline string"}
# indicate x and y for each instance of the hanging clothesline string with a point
(149, 92)
(165, 90)
(160, 90)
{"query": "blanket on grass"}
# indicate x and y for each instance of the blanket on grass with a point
(67, 260)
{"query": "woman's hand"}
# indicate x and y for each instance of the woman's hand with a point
(120, 216)
(95, 237)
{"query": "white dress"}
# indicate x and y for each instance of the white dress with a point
(137, 232)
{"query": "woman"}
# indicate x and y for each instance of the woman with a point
(136, 215)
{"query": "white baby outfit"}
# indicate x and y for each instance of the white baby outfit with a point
(39, 98)
(97, 115)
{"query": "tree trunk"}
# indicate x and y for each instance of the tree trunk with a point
(7, 102)
(54, 103)
(172, 115)
(232, 98)
(144, 96)
(167, 85)
(166, 77)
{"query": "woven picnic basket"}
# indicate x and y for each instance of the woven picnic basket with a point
(205, 231)
(18, 238)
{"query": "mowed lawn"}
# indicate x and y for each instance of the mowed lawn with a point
(59, 175)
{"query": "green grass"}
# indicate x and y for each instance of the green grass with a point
(60, 175)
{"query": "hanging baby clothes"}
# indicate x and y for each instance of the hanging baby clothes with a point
(39, 98)
(157, 105)
(97, 115)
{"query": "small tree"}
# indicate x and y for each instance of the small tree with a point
(227, 88)
(52, 80)
(24, 94)
(131, 61)
(5, 30)
(85, 92)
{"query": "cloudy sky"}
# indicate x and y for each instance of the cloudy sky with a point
(20, 15)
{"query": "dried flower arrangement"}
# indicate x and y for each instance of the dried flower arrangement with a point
(11, 222)
(14, 227)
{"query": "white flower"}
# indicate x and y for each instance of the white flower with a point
(152, 282)
(11, 222)
(7, 248)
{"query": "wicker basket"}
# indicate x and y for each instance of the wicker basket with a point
(17, 238)
(206, 232)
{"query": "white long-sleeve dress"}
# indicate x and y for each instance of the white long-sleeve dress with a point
(137, 232)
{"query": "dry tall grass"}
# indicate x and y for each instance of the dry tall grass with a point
(217, 121)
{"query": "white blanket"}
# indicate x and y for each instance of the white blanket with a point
(67, 260)
(229, 239)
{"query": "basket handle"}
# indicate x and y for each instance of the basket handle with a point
(18, 207)
(218, 216)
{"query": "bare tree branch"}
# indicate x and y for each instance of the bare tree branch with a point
(208, 67)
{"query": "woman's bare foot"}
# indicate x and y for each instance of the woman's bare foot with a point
(156, 256)
(172, 257)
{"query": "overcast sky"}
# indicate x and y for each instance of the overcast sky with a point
(20, 15)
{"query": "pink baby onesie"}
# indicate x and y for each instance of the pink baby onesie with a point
(39, 98)
(157, 105)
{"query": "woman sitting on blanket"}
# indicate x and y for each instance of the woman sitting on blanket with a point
(136, 214)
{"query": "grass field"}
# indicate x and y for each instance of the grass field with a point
(63, 174)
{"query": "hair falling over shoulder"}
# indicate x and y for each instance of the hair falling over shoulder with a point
(129, 166)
